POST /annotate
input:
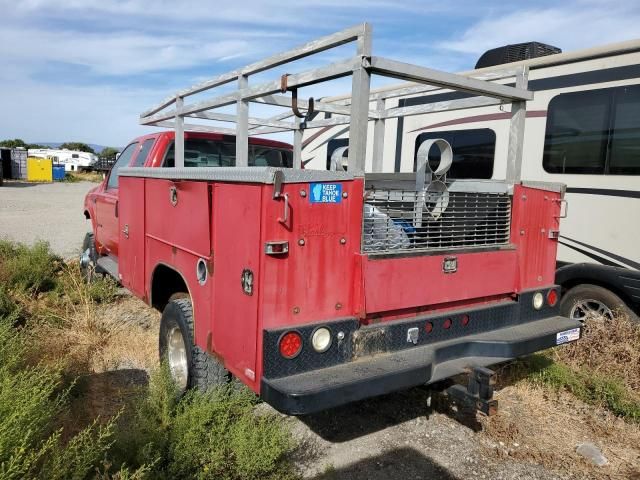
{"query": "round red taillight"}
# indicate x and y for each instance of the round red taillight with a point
(552, 298)
(428, 327)
(447, 323)
(290, 344)
(465, 320)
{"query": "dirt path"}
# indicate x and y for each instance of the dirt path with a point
(50, 211)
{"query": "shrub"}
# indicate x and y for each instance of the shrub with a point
(72, 287)
(31, 269)
(8, 307)
(31, 401)
(205, 435)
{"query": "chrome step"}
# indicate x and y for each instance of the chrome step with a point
(109, 265)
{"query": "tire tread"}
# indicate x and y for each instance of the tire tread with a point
(205, 370)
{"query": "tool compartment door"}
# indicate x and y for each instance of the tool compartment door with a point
(131, 234)
(236, 249)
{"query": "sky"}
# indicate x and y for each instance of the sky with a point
(83, 70)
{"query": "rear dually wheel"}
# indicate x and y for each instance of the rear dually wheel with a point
(190, 366)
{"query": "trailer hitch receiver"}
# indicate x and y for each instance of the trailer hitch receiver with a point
(478, 393)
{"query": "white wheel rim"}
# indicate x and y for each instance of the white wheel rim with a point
(177, 357)
(588, 309)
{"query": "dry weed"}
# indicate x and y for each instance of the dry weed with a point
(608, 347)
(542, 426)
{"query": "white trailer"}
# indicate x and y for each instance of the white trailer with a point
(582, 129)
(73, 160)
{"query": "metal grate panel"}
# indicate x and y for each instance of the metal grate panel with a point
(406, 221)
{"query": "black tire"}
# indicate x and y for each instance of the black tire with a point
(569, 305)
(204, 370)
(89, 269)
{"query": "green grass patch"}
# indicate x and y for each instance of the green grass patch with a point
(593, 388)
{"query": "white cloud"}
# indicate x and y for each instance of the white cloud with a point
(570, 26)
(117, 53)
(118, 42)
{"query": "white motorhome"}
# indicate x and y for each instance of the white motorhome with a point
(582, 129)
(73, 160)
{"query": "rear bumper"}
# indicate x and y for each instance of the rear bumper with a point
(324, 388)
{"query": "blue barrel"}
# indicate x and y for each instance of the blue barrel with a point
(58, 173)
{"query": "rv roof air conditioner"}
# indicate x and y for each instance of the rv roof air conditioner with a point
(515, 53)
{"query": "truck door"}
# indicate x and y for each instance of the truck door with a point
(131, 225)
(107, 204)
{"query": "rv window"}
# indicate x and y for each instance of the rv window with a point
(144, 152)
(625, 137)
(473, 152)
(577, 128)
(594, 132)
(123, 161)
(75, 155)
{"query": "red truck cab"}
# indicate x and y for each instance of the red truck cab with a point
(157, 150)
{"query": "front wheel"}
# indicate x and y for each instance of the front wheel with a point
(89, 258)
(585, 302)
(190, 366)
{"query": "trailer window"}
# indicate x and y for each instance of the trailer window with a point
(594, 132)
(473, 152)
(625, 137)
(200, 152)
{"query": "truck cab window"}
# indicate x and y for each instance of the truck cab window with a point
(473, 152)
(200, 152)
(144, 152)
(123, 161)
(594, 132)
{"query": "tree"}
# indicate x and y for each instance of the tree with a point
(108, 153)
(16, 142)
(82, 147)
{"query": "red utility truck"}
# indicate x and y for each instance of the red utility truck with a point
(318, 288)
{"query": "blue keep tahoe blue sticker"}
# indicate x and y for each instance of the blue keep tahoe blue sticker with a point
(325, 193)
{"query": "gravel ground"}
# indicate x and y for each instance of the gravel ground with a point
(48, 211)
